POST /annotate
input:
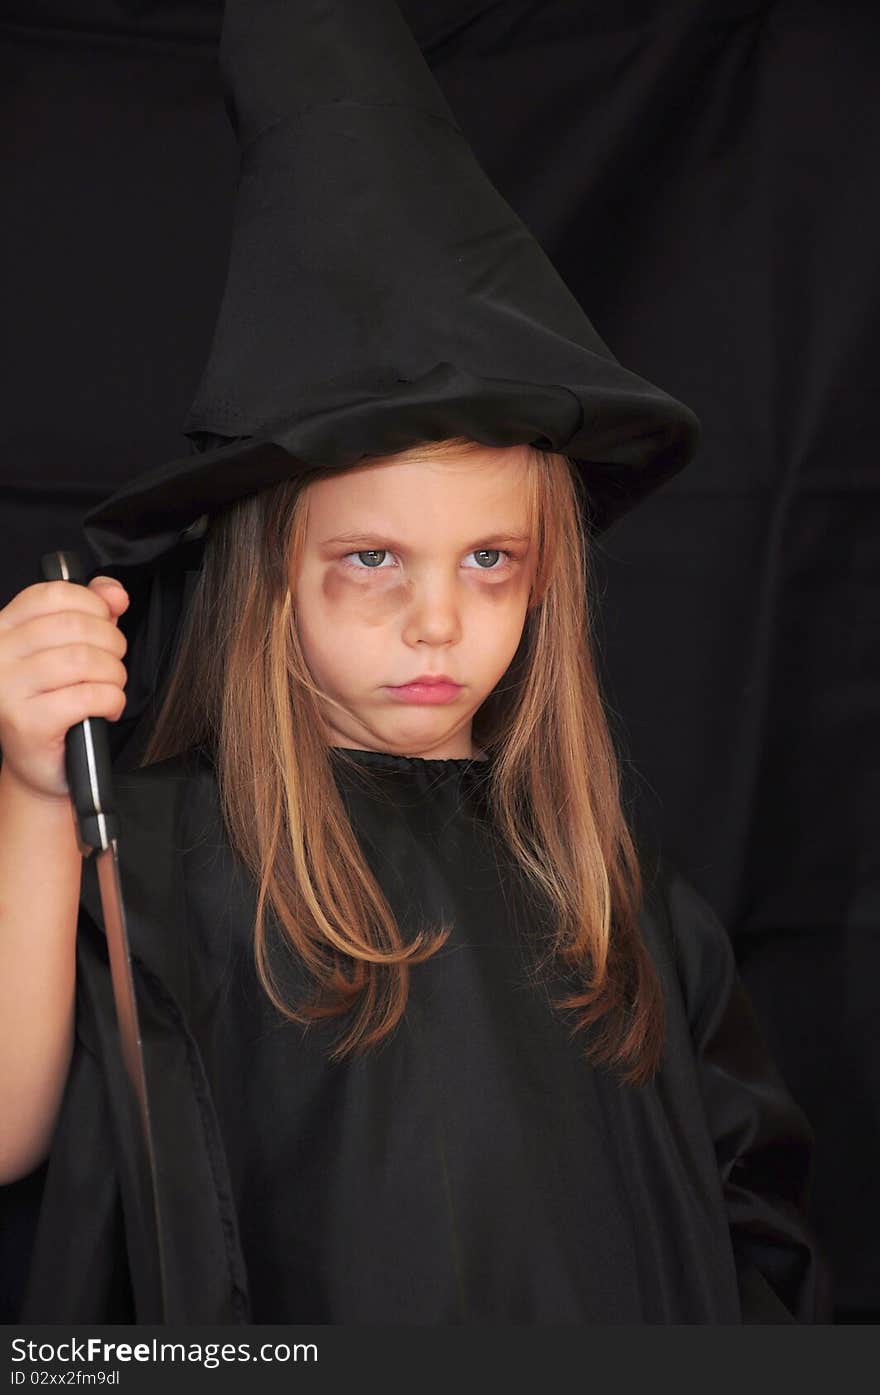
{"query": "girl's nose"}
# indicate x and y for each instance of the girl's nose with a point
(434, 613)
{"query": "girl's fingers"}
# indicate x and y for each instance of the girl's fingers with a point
(54, 713)
(51, 597)
(60, 662)
(70, 664)
(64, 628)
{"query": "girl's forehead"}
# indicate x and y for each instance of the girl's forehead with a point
(485, 478)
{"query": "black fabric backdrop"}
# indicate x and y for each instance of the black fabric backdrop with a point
(704, 176)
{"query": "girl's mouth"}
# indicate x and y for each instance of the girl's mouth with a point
(426, 692)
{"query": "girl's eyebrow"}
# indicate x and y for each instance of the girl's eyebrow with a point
(366, 535)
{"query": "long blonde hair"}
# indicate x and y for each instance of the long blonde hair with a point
(240, 687)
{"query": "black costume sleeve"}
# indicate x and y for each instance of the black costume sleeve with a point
(763, 1141)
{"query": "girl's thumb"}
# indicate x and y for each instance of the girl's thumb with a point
(110, 588)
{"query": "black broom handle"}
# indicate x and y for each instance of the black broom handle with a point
(86, 746)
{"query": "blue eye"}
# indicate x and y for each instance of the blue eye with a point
(379, 552)
(488, 552)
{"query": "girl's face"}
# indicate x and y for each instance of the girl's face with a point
(414, 567)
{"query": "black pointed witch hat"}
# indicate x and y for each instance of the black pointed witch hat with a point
(380, 292)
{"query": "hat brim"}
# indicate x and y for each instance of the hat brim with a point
(636, 440)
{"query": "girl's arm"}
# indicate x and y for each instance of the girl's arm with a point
(40, 873)
(60, 661)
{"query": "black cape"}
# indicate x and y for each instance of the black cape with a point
(473, 1169)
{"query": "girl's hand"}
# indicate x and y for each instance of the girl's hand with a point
(60, 661)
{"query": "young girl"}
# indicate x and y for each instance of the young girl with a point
(429, 1041)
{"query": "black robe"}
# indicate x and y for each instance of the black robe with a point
(475, 1168)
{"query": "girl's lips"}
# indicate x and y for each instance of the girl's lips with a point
(426, 692)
